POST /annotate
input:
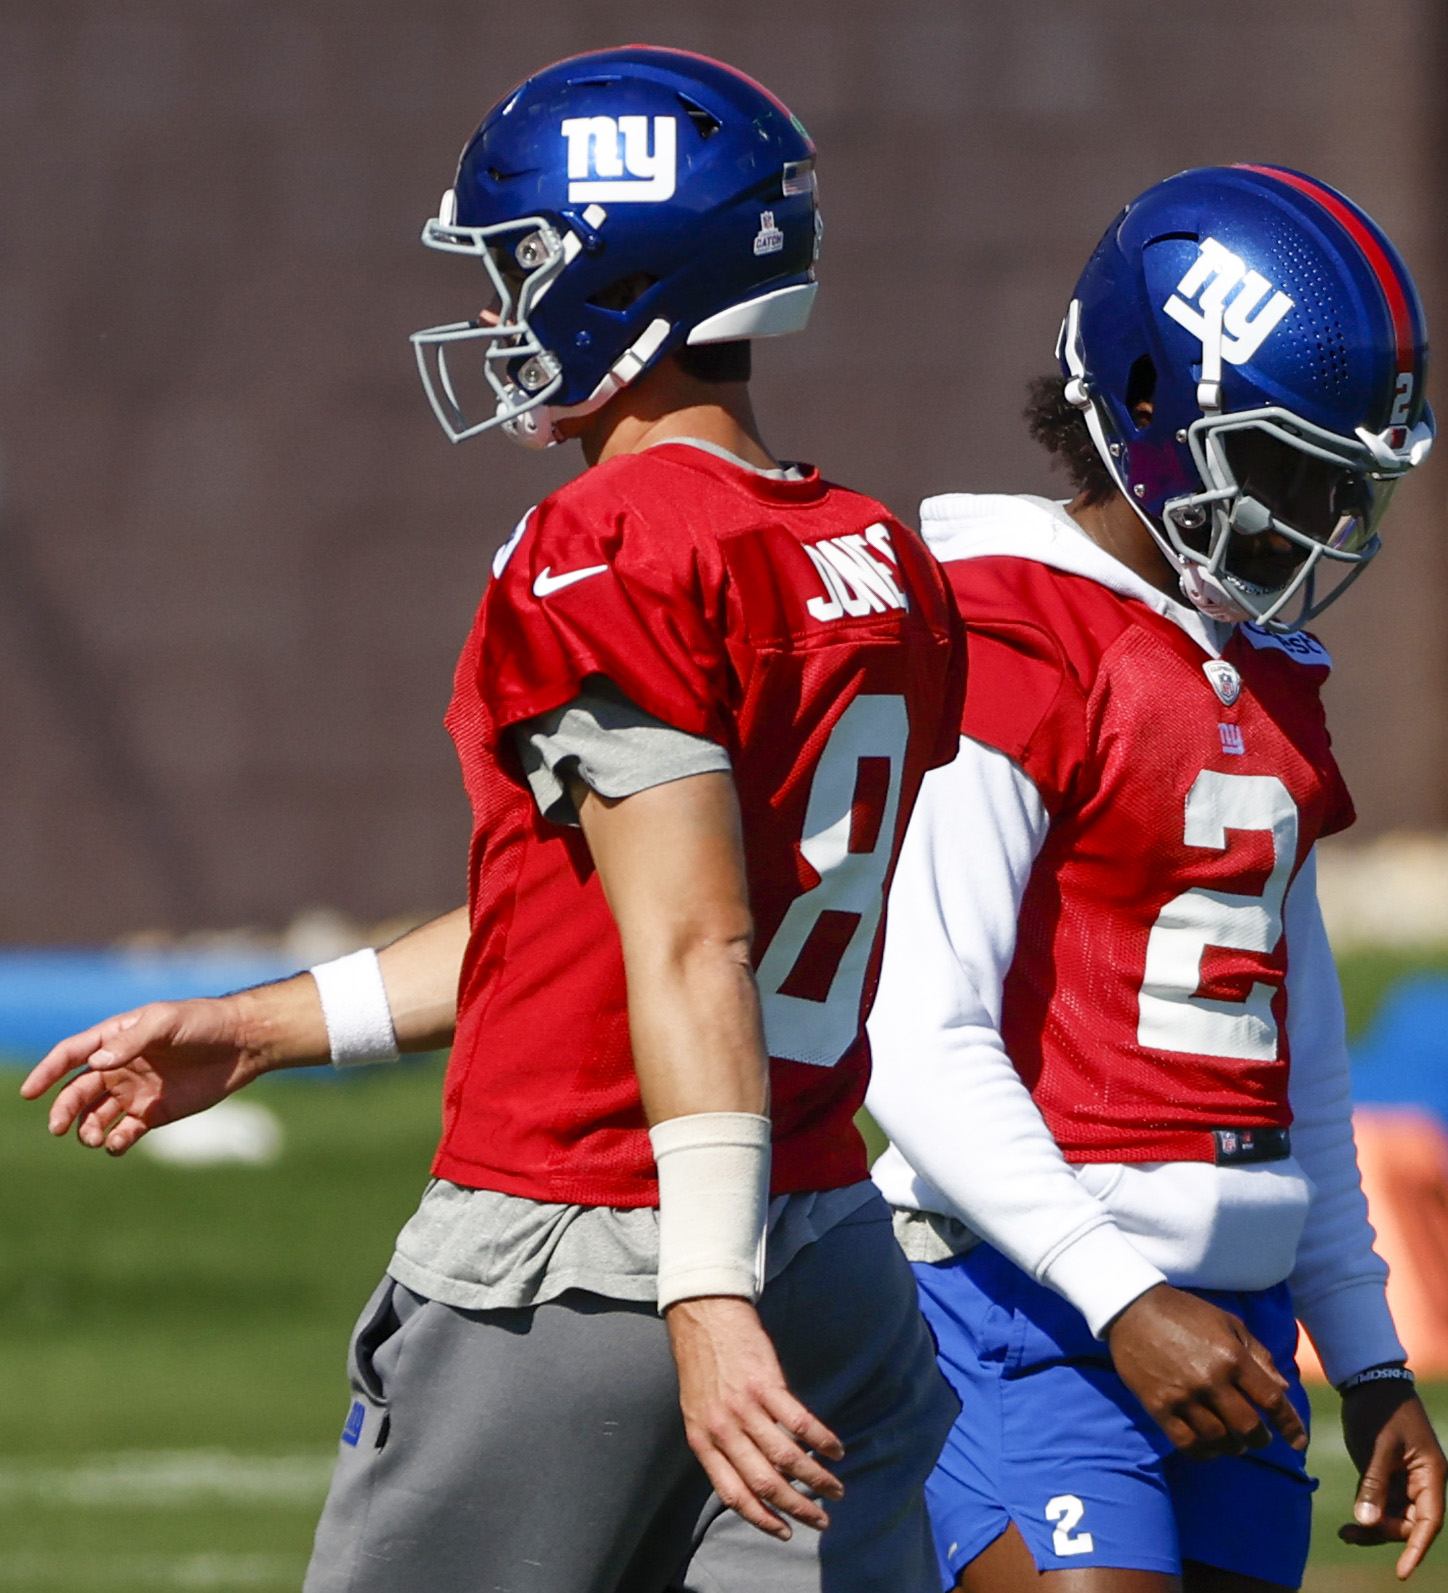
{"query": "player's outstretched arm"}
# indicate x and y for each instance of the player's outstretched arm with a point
(1401, 1470)
(1201, 1375)
(171, 1059)
(671, 860)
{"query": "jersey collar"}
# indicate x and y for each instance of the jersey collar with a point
(970, 525)
(794, 483)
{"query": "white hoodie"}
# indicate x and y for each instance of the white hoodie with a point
(966, 1138)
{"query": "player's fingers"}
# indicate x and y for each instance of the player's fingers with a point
(124, 1135)
(1421, 1534)
(1425, 1510)
(61, 1059)
(732, 1489)
(1209, 1433)
(74, 1100)
(124, 1038)
(1266, 1387)
(802, 1423)
(1369, 1507)
(788, 1459)
(1178, 1432)
(108, 1045)
(1241, 1418)
(1391, 1529)
(96, 1123)
(772, 1490)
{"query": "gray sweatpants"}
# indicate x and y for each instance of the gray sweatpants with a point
(541, 1450)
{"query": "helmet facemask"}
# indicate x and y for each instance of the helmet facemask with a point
(523, 259)
(1287, 517)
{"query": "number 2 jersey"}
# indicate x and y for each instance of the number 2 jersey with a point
(809, 634)
(1105, 969)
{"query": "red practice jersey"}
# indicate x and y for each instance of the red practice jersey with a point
(1146, 1004)
(810, 634)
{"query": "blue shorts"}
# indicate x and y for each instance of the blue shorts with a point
(1051, 1438)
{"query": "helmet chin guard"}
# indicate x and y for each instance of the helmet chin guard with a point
(1248, 352)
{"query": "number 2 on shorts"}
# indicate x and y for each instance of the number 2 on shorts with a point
(812, 974)
(1066, 1511)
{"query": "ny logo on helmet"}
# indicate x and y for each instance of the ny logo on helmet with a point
(601, 150)
(1214, 274)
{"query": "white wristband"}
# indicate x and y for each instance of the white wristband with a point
(355, 1009)
(713, 1204)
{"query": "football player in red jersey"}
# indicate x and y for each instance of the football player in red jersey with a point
(692, 717)
(1109, 1044)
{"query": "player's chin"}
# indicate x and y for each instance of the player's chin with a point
(1265, 575)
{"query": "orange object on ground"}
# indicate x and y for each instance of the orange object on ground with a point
(1403, 1153)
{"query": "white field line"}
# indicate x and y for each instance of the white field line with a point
(169, 1479)
(72, 1573)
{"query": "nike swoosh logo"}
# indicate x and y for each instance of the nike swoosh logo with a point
(547, 583)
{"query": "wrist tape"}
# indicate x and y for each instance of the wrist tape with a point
(713, 1204)
(1390, 1372)
(355, 1010)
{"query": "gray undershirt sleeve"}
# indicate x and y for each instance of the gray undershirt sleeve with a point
(611, 744)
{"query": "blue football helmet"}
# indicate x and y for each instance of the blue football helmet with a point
(622, 203)
(1250, 352)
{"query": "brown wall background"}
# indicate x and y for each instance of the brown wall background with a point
(237, 557)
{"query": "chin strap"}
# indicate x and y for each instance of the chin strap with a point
(1206, 593)
(538, 428)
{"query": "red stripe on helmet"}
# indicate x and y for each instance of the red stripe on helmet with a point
(1362, 236)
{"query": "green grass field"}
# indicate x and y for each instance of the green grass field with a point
(171, 1343)
(171, 1339)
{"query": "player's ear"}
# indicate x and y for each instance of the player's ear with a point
(1141, 391)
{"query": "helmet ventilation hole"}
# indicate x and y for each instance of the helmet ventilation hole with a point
(706, 123)
(624, 293)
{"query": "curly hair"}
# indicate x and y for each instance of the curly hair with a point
(1060, 428)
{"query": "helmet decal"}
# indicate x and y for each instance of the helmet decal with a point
(602, 149)
(1244, 320)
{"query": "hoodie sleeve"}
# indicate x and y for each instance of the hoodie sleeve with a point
(1340, 1281)
(967, 1139)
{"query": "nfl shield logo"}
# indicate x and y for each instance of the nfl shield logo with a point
(1226, 682)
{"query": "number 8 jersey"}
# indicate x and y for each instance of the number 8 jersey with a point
(803, 629)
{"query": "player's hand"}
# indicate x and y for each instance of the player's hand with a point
(144, 1068)
(1401, 1470)
(750, 1434)
(1201, 1375)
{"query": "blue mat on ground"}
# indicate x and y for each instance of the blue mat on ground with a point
(1402, 1059)
(46, 995)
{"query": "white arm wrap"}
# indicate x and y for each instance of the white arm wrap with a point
(354, 1006)
(713, 1204)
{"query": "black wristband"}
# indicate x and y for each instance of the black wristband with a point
(1390, 1372)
